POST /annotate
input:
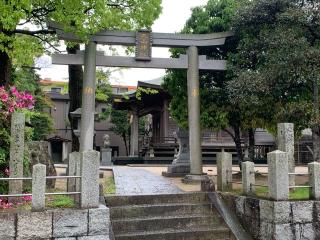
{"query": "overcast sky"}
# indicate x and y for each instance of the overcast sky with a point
(173, 17)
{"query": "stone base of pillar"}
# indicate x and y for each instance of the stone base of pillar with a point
(106, 156)
(177, 170)
(195, 179)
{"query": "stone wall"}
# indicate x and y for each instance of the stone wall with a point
(277, 220)
(63, 224)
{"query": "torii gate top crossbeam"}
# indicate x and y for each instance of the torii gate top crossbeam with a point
(127, 38)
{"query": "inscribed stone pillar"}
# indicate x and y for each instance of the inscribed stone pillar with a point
(90, 161)
(73, 184)
(314, 180)
(278, 178)
(134, 141)
(38, 187)
(16, 151)
(88, 98)
(224, 171)
(248, 177)
(194, 111)
(196, 173)
(286, 144)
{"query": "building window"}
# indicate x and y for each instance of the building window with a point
(56, 89)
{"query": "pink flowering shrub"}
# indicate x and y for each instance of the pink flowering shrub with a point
(13, 99)
(4, 204)
(10, 101)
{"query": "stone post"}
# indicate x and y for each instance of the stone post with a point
(314, 180)
(165, 116)
(196, 173)
(286, 144)
(224, 171)
(248, 178)
(278, 177)
(38, 187)
(106, 157)
(194, 111)
(16, 152)
(65, 151)
(88, 98)
(90, 161)
(134, 141)
(73, 184)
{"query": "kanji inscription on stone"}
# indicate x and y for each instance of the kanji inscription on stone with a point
(16, 151)
(143, 45)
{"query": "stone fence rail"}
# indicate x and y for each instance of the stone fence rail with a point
(83, 181)
(278, 176)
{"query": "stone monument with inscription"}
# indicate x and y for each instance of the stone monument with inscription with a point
(106, 151)
(181, 164)
(285, 140)
(16, 152)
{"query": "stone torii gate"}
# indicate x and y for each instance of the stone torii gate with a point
(144, 40)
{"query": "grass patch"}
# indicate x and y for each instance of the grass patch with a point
(299, 194)
(60, 201)
(296, 194)
(109, 187)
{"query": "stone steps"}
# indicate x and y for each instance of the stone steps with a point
(169, 209)
(115, 201)
(165, 223)
(190, 234)
(173, 216)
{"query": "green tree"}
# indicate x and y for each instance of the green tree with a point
(276, 67)
(26, 79)
(104, 89)
(24, 31)
(217, 111)
(121, 126)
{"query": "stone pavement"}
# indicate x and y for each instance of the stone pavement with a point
(133, 181)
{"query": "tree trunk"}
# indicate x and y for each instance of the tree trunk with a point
(315, 128)
(5, 69)
(75, 93)
(237, 141)
(125, 143)
(251, 143)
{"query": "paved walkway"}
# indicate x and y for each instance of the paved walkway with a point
(133, 181)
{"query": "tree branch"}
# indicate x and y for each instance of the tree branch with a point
(32, 33)
(230, 133)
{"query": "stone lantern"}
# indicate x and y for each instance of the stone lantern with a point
(77, 115)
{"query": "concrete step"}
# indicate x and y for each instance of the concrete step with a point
(166, 223)
(169, 209)
(115, 201)
(220, 233)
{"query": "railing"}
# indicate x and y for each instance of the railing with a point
(89, 181)
(278, 187)
(30, 178)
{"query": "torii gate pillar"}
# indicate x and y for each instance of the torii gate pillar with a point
(196, 173)
(88, 97)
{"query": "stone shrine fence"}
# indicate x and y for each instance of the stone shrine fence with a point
(278, 176)
(83, 181)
